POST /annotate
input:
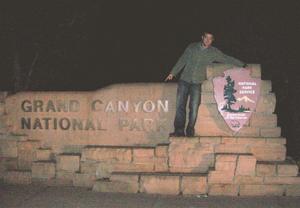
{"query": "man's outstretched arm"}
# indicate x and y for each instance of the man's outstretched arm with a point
(223, 58)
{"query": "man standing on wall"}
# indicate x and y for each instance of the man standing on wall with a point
(196, 57)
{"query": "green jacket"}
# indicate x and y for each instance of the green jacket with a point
(196, 58)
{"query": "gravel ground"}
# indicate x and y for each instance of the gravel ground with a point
(38, 196)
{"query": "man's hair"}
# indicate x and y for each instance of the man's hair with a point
(209, 32)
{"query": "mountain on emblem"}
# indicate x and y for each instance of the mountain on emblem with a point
(236, 94)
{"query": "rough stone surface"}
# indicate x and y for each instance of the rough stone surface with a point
(8, 148)
(246, 165)
(192, 185)
(17, 177)
(160, 184)
(43, 170)
(223, 189)
(84, 180)
(261, 190)
(287, 169)
(26, 153)
(189, 155)
(113, 187)
(68, 163)
(107, 154)
(264, 169)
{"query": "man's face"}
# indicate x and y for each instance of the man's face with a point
(207, 39)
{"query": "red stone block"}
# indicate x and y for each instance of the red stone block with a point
(43, 170)
(161, 164)
(194, 185)
(210, 140)
(269, 152)
(84, 180)
(207, 98)
(106, 154)
(244, 179)
(208, 110)
(270, 132)
(68, 163)
(223, 190)
(226, 158)
(287, 169)
(251, 140)
(17, 177)
(261, 190)
(265, 169)
(293, 190)
(232, 148)
(133, 167)
(131, 180)
(263, 120)
(282, 180)
(160, 184)
(220, 177)
(143, 155)
(266, 103)
(246, 165)
(161, 151)
(279, 140)
(27, 153)
(265, 87)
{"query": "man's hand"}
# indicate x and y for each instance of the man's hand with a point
(169, 77)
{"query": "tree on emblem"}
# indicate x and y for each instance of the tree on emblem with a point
(229, 95)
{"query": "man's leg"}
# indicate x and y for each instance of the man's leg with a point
(195, 98)
(181, 101)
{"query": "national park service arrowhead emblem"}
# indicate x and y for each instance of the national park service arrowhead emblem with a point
(236, 94)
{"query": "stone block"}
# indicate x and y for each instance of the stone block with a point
(223, 190)
(251, 140)
(27, 153)
(279, 140)
(269, 152)
(293, 190)
(232, 148)
(8, 148)
(263, 169)
(282, 180)
(88, 167)
(107, 154)
(67, 162)
(255, 70)
(208, 98)
(43, 154)
(17, 177)
(161, 151)
(270, 132)
(261, 190)
(246, 165)
(64, 178)
(226, 163)
(220, 177)
(208, 110)
(133, 167)
(10, 163)
(43, 170)
(161, 164)
(246, 179)
(287, 169)
(131, 180)
(263, 120)
(194, 185)
(143, 155)
(154, 184)
(84, 180)
(207, 86)
(210, 140)
(265, 87)
(266, 104)
(113, 187)
(189, 155)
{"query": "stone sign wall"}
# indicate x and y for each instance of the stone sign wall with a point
(124, 114)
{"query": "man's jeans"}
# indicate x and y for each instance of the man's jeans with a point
(185, 90)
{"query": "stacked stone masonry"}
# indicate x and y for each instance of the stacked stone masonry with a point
(216, 162)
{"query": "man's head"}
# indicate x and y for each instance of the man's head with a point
(207, 39)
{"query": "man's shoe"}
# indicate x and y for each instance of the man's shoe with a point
(176, 134)
(190, 135)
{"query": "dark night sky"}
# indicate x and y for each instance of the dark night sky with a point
(88, 45)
